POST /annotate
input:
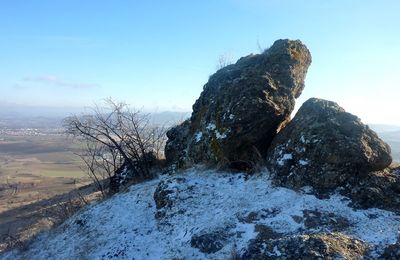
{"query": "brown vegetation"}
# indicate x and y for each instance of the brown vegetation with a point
(37, 175)
(119, 144)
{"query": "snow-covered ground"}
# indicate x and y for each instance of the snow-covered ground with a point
(125, 226)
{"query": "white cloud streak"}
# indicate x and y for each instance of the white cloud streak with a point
(56, 81)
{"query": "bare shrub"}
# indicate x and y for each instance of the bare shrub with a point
(119, 144)
(223, 61)
(259, 47)
(64, 210)
(9, 189)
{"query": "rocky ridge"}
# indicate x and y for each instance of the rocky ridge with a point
(242, 120)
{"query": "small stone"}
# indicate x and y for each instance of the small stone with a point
(209, 242)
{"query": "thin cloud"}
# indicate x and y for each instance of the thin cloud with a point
(46, 79)
(56, 81)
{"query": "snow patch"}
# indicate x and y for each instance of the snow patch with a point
(285, 157)
(198, 136)
(125, 226)
(304, 162)
(218, 135)
(276, 251)
(211, 126)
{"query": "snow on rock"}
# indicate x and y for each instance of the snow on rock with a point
(211, 126)
(276, 251)
(218, 208)
(303, 162)
(198, 136)
(218, 135)
(285, 157)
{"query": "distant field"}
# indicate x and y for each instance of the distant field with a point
(33, 170)
(50, 156)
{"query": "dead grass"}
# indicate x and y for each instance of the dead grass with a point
(19, 225)
(41, 185)
(50, 156)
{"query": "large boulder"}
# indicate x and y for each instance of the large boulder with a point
(241, 108)
(325, 147)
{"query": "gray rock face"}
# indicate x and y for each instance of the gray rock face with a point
(391, 252)
(210, 242)
(164, 196)
(175, 148)
(325, 147)
(327, 221)
(241, 108)
(379, 189)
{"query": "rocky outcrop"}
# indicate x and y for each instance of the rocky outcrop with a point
(175, 149)
(164, 195)
(326, 148)
(312, 246)
(241, 108)
(391, 252)
(210, 242)
(328, 221)
(379, 189)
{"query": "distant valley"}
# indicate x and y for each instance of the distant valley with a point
(23, 124)
(391, 135)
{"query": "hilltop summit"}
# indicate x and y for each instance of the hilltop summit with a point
(326, 188)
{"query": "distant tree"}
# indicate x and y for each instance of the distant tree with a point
(259, 47)
(223, 61)
(118, 143)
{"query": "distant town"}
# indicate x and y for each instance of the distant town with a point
(29, 132)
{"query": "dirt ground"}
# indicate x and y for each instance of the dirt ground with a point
(41, 183)
(22, 216)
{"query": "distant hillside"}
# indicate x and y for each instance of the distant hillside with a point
(38, 122)
(169, 118)
(393, 139)
(391, 135)
(380, 128)
(15, 120)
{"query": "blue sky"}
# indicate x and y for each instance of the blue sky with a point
(157, 55)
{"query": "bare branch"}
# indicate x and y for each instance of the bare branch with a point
(116, 139)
